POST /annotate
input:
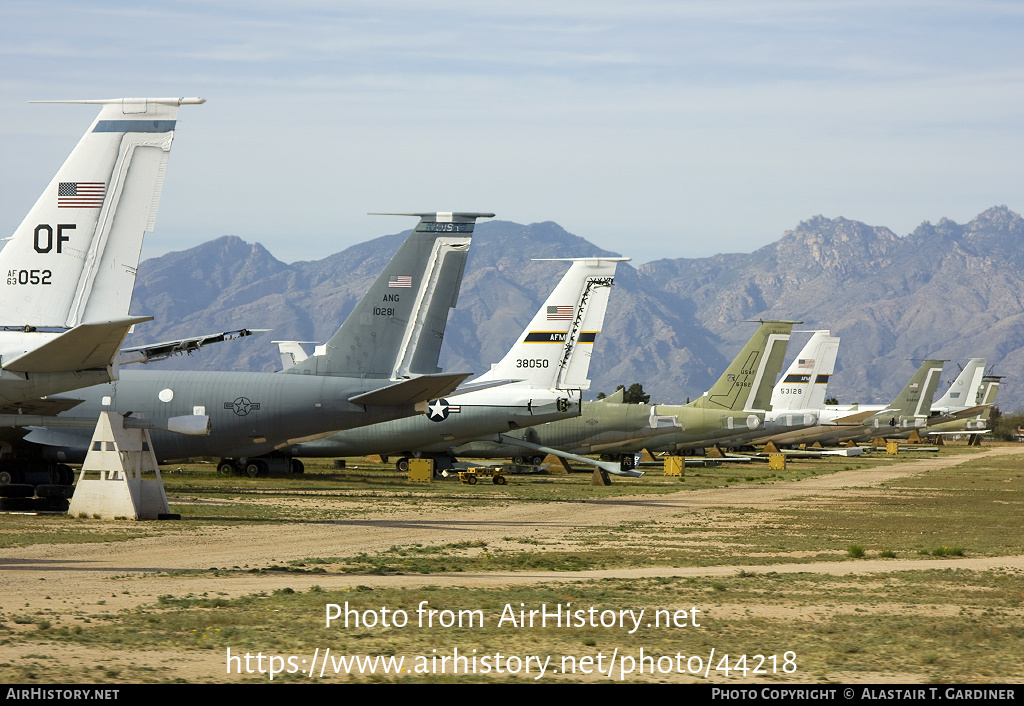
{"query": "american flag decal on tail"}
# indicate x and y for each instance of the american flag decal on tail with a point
(560, 313)
(400, 282)
(81, 194)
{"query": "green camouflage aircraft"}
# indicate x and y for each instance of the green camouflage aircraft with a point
(735, 404)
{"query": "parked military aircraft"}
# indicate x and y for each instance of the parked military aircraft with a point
(736, 402)
(364, 375)
(796, 399)
(962, 401)
(549, 360)
(985, 396)
(964, 396)
(803, 386)
(70, 266)
(787, 424)
(909, 410)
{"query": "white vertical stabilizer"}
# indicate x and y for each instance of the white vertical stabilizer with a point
(555, 349)
(965, 390)
(74, 257)
(803, 386)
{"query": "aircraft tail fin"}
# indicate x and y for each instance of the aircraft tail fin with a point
(803, 386)
(747, 382)
(965, 389)
(74, 257)
(989, 388)
(915, 399)
(555, 349)
(395, 330)
(987, 394)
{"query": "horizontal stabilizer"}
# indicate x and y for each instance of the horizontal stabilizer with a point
(84, 347)
(857, 418)
(960, 414)
(159, 351)
(474, 386)
(419, 389)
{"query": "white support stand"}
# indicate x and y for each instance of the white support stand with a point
(121, 456)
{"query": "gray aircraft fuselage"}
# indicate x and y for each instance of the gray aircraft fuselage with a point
(610, 427)
(422, 434)
(250, 413)
(23, 388)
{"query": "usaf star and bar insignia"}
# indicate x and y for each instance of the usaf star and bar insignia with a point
(438, 410)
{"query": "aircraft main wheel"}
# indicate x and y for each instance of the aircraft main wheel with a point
(537, 460)
(471, 480)
(16, 505)
(297, 466)
(402, 465)
(55, 491)
(254, 469)
(52, 504)
(6, 477)
(500, 480)
(518, 460)
(65, 476)
(226, 468)
(17, 490)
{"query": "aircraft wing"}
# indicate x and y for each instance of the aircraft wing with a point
(418, 389)
(159, 351)
(86, 346)
(43, 406)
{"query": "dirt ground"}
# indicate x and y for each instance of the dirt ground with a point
(79, 577)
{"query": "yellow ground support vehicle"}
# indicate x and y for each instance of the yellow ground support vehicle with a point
(473, 474)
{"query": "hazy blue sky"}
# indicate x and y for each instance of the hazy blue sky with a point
(655, 129)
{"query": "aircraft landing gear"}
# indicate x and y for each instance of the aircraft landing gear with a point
(254, 469)
(259, 467)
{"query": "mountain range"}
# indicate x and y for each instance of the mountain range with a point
(946, 290)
